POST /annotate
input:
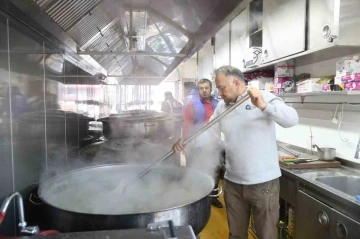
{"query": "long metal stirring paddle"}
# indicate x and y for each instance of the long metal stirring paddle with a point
(197, 133)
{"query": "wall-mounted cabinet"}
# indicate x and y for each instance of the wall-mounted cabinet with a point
(306, 31)
(255, 23)
(321, 14)
(284, 28)
(333, 22)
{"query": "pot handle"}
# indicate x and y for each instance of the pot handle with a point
(220, 192)
(318, 148)
(33, 199)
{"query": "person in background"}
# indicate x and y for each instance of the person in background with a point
(197, 113)
(170, 104)
(194, 93)
(174, 108)
(215, 94)
(252, 167)
(19, 103)
(50, 101)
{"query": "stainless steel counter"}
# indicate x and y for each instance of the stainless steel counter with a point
(324, 199)
(312, 176)
(316, 182)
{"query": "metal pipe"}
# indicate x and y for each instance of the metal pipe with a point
(131, 31)
(125, 97)
(137, 53)
(167, 42)
(22, 224)
(149, 99)
(136, 77)
(119, 97)
(143, 95)
(133, 95)
(140, 96)
(137, 94)
(20, 204)
(197, 133)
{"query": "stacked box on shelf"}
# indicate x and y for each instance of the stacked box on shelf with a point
(309, 85)
(347, 67)
(351, 81)
(261, 80)
(348, 73)
(284, 70)
(279, 84)
(283, 74)
(326, 83)
(352, 86)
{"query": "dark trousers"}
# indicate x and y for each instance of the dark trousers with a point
(219, 173)
(261, 199)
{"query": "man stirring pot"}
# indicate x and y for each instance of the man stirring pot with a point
(252, 167)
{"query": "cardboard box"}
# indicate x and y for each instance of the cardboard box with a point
(309, 85)
(355, 77)
(260, 82)
(347, 67)
(352, 86)
(283, 69)
(326, 87)
(278, 90)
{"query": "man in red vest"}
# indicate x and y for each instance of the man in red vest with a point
(197, 113)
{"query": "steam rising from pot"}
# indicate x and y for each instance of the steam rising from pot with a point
(104, 193)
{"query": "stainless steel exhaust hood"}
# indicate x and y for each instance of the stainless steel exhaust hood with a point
(132, 41)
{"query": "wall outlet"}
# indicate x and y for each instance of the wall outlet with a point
(335, 120)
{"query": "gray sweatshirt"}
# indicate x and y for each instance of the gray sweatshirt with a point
(250, 138)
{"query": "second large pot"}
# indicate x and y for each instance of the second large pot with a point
(93, 198)
(134, 124)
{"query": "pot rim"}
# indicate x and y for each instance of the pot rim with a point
(42, 185)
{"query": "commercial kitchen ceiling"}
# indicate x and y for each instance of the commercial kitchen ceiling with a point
(134, 41)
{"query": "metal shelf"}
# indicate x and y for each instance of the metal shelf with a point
(330, 93)
(286, 95)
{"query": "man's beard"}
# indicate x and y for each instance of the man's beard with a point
(205, 98)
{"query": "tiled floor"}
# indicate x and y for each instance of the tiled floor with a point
(217, 227)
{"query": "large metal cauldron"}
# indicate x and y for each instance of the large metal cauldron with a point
(136, 124)
(93, 198)
(59, 124)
